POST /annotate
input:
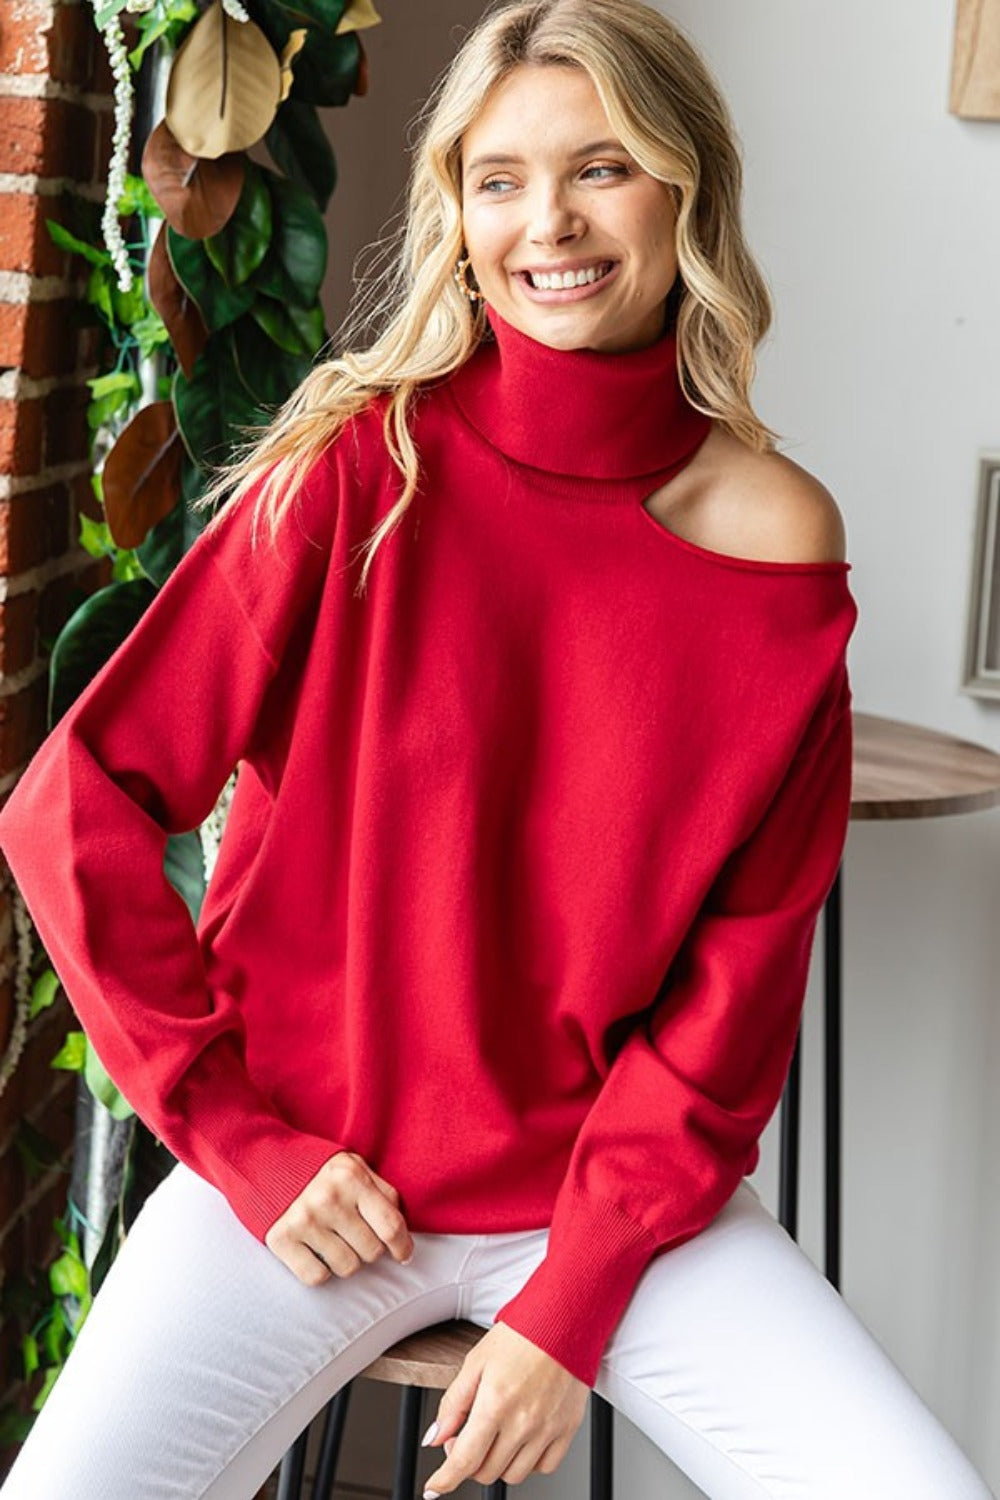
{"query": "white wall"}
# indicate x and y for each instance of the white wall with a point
(876, 217)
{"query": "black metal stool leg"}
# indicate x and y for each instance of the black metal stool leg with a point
(832, 949)
(292, 1471)
(602, 1436)
(788, 1178)
(333, 1431)
(408, 1442)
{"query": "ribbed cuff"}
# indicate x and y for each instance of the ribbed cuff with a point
(284, 1162)
(227, 1129)
(573, 1300)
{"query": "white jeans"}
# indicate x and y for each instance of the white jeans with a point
(203, 1357)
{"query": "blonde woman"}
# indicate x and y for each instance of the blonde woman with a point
(530, 650)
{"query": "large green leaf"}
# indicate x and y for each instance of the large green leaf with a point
(68, 1278)
(240, 246)
(277, 18)
(295, 264)
(68, 241)
(214, 406)
(184, 861)
(72, 1055)
(268, 373)
(103, 1087)
(300, 148)
(166, 542)
(218, 303)
(325, 14)
(325, 70)
(90, 637)
(297, 330)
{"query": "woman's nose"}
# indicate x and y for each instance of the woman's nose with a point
(552, 217)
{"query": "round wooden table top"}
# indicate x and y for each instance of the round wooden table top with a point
(906, 771)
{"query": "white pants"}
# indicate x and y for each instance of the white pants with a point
(203, 1357)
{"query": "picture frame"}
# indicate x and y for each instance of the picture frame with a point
(981, 674)
(975, 63)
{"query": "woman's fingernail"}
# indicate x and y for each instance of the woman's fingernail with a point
(431, 1495)
(429, 1435)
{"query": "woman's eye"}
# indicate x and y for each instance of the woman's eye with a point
(614, 167)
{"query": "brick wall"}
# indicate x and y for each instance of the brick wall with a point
(55, 138)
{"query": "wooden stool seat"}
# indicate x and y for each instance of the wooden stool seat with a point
(426, 1360)
(431, 1358)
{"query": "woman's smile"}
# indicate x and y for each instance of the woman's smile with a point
(544, 287)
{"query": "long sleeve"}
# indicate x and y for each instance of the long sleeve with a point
(142, 753)
(676, 1122)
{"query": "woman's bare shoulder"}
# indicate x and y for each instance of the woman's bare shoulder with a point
(734, 500)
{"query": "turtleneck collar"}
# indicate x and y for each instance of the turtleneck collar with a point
(579, 411)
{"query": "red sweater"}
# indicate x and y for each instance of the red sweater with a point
(519, 884)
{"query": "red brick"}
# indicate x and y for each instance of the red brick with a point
(19, 231)
(24, 38)
(50, 137)
(103, 140)
(102, 80)
(20, 436)
(62, 594)
(13, 329)
(22, 131)
(23, 719)
(38, 337)
(34, 526)
(67, 436)
(18, 632)
(76, 50)
(83, 502)
(92, 339)
(26, 243)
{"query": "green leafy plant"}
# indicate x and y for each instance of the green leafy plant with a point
(215, 292)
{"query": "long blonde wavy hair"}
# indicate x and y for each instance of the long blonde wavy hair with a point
(667, 110)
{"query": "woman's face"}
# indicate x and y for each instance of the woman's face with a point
(547, 187)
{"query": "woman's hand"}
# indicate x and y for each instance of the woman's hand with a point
(346, 1216)
(511, 1410)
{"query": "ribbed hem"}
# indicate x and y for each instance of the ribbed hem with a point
(574, 1299)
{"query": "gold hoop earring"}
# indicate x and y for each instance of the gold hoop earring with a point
(473, 293)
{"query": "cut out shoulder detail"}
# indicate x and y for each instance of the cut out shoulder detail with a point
(757, 509)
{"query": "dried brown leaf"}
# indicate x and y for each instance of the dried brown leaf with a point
(224, 86)
(141, 479)
(180, 314)
(197, 196)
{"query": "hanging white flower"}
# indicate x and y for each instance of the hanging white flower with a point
(22, 983)
(117, 167)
